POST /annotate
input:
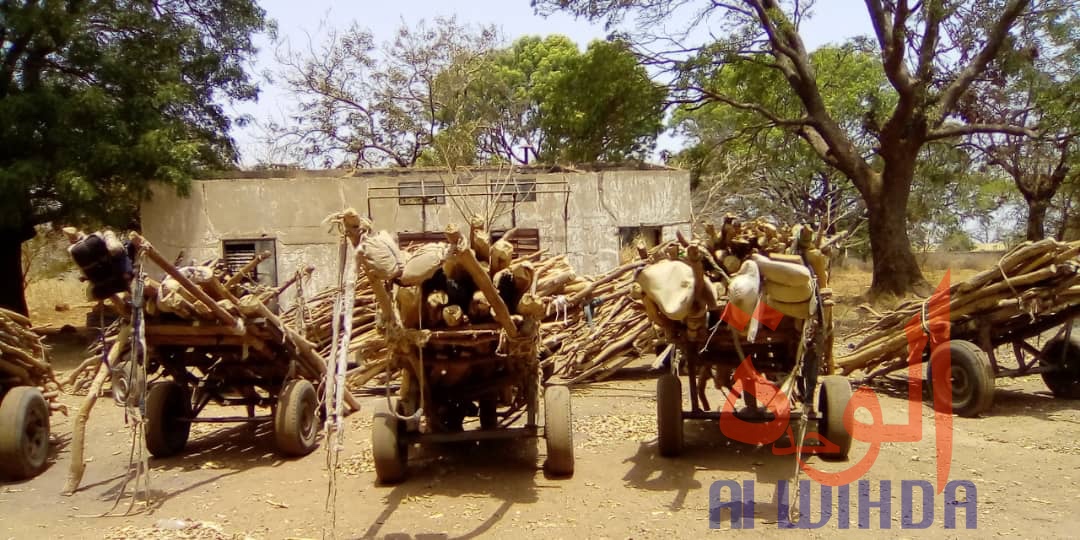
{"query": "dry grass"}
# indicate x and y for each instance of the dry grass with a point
(44, 295)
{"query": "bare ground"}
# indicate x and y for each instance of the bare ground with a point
(1023, 457)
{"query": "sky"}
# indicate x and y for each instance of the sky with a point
(299, 21)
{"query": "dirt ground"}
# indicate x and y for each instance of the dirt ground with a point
(1023, 457)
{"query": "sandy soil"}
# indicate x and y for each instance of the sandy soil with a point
(1023, 457)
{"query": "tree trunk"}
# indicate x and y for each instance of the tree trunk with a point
(895, 269)
(12, 295)
(1036, 218)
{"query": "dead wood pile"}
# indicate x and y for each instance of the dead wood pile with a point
(589, 324)
(200, 303)
(592, 325)
(23, 361)
(1031, 280)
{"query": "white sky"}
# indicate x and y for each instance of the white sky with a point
(835, 21)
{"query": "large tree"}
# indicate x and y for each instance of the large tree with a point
(565, 105)
(1037, 87)
(778, 175)
(931, 52)
(99, 98)
(362, 104)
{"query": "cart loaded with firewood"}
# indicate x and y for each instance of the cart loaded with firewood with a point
(1025, 305)
(461, 320)
(28, 395)
(746, 308)
(195, 335)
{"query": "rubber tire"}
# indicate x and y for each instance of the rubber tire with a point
(669, 420)
(558, 431)
(388, 449)
(971, 367)
(24, 433)
(1062, 377)
(833, 399)
(295, 425)
(166, 403)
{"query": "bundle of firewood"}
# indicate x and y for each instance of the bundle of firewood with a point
(1030, 280)
(590, 325)
(22, 358)
(209, 294)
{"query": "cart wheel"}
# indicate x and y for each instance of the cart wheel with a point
(24, 433)
(167, 405)
(833, 398)
(972, 377)
(295, 428)
(387, 443)
(558, 431)
(1060, 361)
(669, 421)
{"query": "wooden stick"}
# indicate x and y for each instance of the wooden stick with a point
(248, 267)
(467, 259)
(222, 315)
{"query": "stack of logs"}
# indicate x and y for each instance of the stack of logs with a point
(23, 361)
(592, 326)
(1030, 280)
(211, 295)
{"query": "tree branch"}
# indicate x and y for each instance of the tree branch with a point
(994, 40)
(957, 130)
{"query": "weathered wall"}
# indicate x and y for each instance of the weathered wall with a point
(576, 213)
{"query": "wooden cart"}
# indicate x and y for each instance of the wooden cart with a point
(794, 356)
(1033, 290)
(487, 371)
(28, 394)
(206, 342)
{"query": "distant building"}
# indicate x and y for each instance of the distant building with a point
(588, 215)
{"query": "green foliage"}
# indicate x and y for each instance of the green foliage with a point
(957, 240)
(544, 94)
(99, 98)
(778, 175)
(603, 107)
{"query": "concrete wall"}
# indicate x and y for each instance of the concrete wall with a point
(576, 213)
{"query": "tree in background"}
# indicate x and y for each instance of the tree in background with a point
(359, 105)
(604, 107)
(779, 175)
(1035, 87)
(544, 96)
(931, 53)
(448, 95)
(98, 99)
(500, 111)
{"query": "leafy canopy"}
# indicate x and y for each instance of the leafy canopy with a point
(98, 98)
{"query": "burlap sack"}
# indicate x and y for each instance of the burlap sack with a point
(782, 272)
(423, 263)
(791, 294)
(381, 254)
(670, 284)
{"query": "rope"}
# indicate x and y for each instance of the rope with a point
(334, 384)
(135, 403)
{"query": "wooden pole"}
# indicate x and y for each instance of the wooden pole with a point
(224, 316)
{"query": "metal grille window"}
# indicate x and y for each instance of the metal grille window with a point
(518, 190)
(421, 192)
(237, 253)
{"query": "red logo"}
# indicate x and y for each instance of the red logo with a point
(920, 332)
